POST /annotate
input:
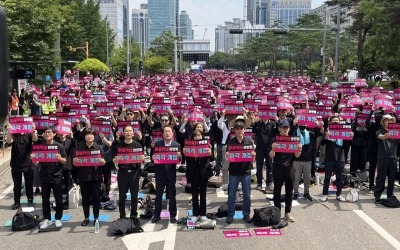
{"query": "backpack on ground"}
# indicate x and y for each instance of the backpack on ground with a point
(352, 195)
(266, 216)
(392, 202)
(149, 167)
(23, 221)
(124, 226)
(215, 181)
(222, 211)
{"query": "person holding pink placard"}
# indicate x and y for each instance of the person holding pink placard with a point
(283, 171)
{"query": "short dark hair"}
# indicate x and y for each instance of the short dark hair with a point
(167, 126)
(89, 131)
(51, 128)
(123, 129)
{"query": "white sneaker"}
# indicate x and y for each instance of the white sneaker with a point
(45, 224)
(340, 198)
(225, 187)
(58, 223)
(324, 198)
(204, 218)
(194, 218)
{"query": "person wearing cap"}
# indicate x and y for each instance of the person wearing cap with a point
(90, 177)
(283, 171)
(387, 155)
(239, 171)
(334, 162)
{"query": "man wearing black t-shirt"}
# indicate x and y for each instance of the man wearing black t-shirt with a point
(21, 163)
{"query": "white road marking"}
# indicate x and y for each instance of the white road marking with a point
(142, 241)
(221, 193)
(382, 232)
(5, 192)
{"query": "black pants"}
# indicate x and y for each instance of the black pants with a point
(282, 175)
(386, 167)
(46, 189)
(346, 148)
(67, 182)
(16, 173)
(313, 161)
(128, 179)
(162, 182)
(107, 175)
(373, 160)
(260, 156)
(90, 191)
(358, 158)
(199, 186)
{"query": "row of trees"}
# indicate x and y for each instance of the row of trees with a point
(369, 45)
(43, 31)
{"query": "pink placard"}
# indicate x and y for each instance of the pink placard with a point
(104, 108)
(229, 234)
(161, 108)
(44, 153)
(196, 148)
(135, 125)
(340, 131)
(348, 113)
(394, 130)
(287, 144)
(166, 155)
(267, 232)
(63, 127)
(88, 158)
(129, 155)
(20, 128)
(307, 119)
(267, 112)
(240, 153)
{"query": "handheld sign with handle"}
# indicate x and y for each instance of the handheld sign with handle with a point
(3, 67)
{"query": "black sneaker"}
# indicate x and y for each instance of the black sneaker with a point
(15, 206)
(259, 187)
(247, 218)
(295, 196)
(229, 219)
(31, 204)
(308, 197)
(378, 201)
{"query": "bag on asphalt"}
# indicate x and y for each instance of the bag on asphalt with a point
(222, 211)
(22, 221)
(352, 195)
(392, 202)
(215, 181)
(124, 226)
(266, 216)
(149, 167)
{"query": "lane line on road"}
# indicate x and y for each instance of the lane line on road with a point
(382, 232)
(221, 193)
(7, 191)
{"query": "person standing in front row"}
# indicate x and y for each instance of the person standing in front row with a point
(284, 171)
(239, 171)
(90, 177)
(166, 177)
(51, 174)
(387, 155)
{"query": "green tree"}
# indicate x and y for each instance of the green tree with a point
(155, 64)
(164, 45)
(118, 58)
(218, 60)
(92, 65)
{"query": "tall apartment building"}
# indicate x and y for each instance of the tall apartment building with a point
(140, 27)
(329, 13)
(186, 31)
(163, 17)
(116, 12)
(284, 11)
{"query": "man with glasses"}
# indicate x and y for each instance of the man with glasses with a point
(239, 171)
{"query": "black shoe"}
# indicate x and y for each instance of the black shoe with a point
(37, 191)
(229, 219)
(15, 206)
(295, 197)
(308, 197)
(247, 218)
(65, 207)
(85, 222)
(378, 201)
(172, 220)
(31, 204)
(155, 219)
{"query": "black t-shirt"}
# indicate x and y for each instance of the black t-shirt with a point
(51, 172)
(122, 144)
(333, 152)
(239, 168)
(264, 132)
(386, 148)
(21, 151)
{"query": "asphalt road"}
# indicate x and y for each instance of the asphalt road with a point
(360, 225)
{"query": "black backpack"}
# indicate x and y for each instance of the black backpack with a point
(222, 211)
(124, 226)
(266, 216)
(392, 202)
(22, 221)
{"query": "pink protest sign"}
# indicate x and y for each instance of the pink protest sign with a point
(283, 104)
(267, 232)
(348, 113)
(384, 103)
(362, 119)
(135, 104)
(324, 112)
(42, 122)
(394, 130)
(117, 100)
(195, 116)
(240, 153)
(207, 109)
(307, 118)
(134, 124)
(236, 233)
(63, 127)
(360, 83)
(100, 126)
(104, 108)
(67, 98)
(99, 97)
(340, 131)
(129, 155)
(156, 136)
(251, 104)
(197, 148)
(44, 153)
(287, 144)
(69, 116)
(20, 128)
(88, 158)
(166, 155)
(81, 109)
(267, 112)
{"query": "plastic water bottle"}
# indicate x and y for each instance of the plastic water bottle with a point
(317, 179)
(115, 200)
(96, 227)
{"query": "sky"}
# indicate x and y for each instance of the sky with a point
(206, 15)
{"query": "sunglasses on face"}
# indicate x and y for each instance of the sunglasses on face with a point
(130, 114)
(164, 120)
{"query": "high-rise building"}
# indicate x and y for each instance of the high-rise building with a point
(186, 31)
(252, 6)
(286, 12)
(116, 13)
(140, 27)
(329, 13)
(163, 17)
(177, 22)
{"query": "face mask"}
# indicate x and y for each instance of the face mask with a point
(302, 128)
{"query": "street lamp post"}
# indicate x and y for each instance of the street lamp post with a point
(337, 44)
(86, 49)
(128, 50)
